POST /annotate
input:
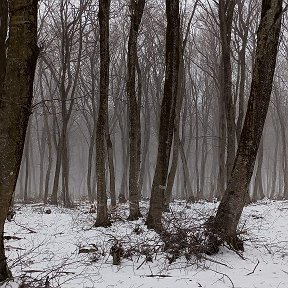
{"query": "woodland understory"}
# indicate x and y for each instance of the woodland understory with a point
(61, 245)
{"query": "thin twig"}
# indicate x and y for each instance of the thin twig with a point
(254, 268)
(28, 229)
(223, 274)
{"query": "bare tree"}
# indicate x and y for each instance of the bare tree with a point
(167, 116)
(102, 121)
(226, 10)
(15, 105)
(136, 10)
(233, 201)
(71, 27)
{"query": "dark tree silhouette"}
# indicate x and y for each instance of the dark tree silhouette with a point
(167, 116)
(136, 10)
(102, 121)
(3, 35)
(15, 103)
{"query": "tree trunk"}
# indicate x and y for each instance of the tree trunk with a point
(136, 10)
(54, 196)
(258, 193)
(48, 171)
(187, 182)
(3, 35)
(233, 201)
(15, 103)
(226, 9)
(176, 137)
(65, 165)
(221, 150)
(27, 158)
(282, 126)
(111, 169)
(101, 149)
(167, 115)
(91, 195)
(146, 141)
(273, 194)
(42, 149)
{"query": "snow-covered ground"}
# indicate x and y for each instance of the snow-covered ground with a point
(50, 246)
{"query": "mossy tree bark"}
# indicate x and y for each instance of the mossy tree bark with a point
(233, 201)
(15, 103)
(102, 121)
(167, 115)
(136, 10)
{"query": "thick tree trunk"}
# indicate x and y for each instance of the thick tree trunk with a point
(167, 116)
(226, 9)
(136, 10)
(15, 103)
(3, 35)
(101, 149)
(233, 201)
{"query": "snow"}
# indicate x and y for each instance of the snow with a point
(54, 249)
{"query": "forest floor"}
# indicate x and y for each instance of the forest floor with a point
(65, 247)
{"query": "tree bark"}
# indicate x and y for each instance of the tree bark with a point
(136, 10)
(258, 193)
(101, 149)
(26, 157)
(233, 201)
(167, 115)
(273, 194)
(15, 104)
(226, 9)
(111, 170)
(91, 195)
(54, 196)
(179, 103)
(3, 35)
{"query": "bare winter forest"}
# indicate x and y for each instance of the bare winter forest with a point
(116, 102)
(60, 143)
